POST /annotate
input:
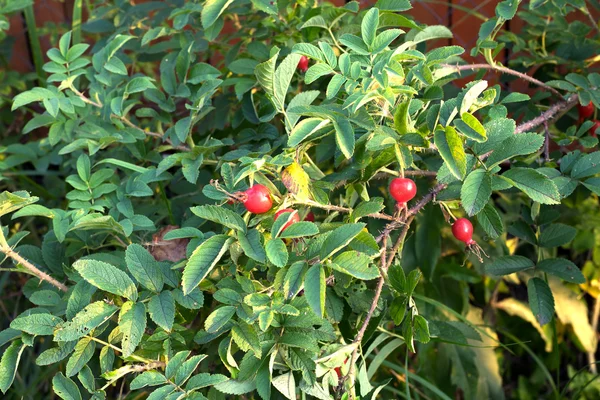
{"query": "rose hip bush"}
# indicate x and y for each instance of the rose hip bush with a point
(287, 199)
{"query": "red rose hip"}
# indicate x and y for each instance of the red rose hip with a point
(595, 127)
(403, 189)
(303, 64)
(294, 217)
(310, 217)
(258, 199)
(462, 229)
(585, 111)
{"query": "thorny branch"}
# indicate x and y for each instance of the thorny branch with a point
(503, 70)
(33, 269)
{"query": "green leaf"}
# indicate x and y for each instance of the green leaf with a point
(541, 300)
(55, 354)
(218, 318)
(452, 151)
(534, 184)
(563, 268)
(305, 128)
(355, 264)
(490, 221)
(421, 329)
(515, 145)
(175, 363)
(286, 385)
(277, 252)
(144, 267)
(192, 301)
(246, 338)
(34, 95)
(555, 235)
(132, 322)
(476, 191)
(148, 378)
(265, 74)
(393, 5)
(212, 10)
(87, 319)
(227, 296)
(139, 84)
(79, 298)
(84, 350)
(398, 309)
(369, 26)
(385, 38)
(314, 289)
(293, 279)
(334, 86)
(36, 324)
(283, 77)
(9, 363)
(221, 216)
(203, 260)
(235, 387)
(354, 43)
(507, 265)
(515, 97)
(344, 136)
(10, 202)
(431, 33)
(123, 164)
(316, 71)
(471, 96)
(252, 246)
(339, 238)
(470, 126)
(587, 165)
(203, 380)
(106, 277)
(300, 229)
(65, 388)
(161, 308)
(187, 368)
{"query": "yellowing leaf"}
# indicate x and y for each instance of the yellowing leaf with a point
(296, 181)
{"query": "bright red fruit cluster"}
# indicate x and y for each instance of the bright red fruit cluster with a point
(258, 199)
(462, 229)
(403, 189)
(303, 64)
(586, 112)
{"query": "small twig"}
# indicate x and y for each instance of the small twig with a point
(42, 276)
(504, 70)
(413, 210)
(548, 115)
(330, 207)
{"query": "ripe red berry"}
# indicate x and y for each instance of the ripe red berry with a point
(258, 199)
(403, 189)
(585, 111)
(338, 371)
(303, 64)
(595, 127)
(295, 217)
(462, 229)
(310, 217)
